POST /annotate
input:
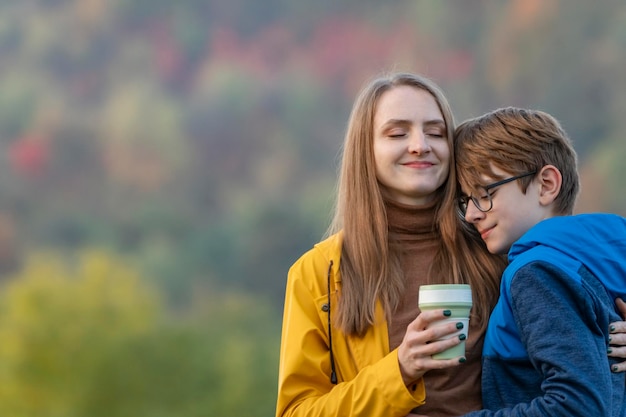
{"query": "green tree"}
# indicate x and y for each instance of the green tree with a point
(88, 337)
(59, 321)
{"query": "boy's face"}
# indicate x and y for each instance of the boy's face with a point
(512, 212)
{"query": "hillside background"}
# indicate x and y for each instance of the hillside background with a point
(164, 162)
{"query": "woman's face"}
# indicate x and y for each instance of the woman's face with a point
(411, 149)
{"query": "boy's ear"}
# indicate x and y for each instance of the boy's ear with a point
(550, 180)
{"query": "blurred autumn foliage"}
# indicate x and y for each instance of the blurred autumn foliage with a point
(165, 162)
(88, 337)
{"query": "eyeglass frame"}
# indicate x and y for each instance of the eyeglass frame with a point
(464, 199)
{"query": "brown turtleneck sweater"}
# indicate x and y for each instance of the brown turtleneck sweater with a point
(449, 392)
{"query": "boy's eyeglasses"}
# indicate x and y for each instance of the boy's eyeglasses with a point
(485, 203)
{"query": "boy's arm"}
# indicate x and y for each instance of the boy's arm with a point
(557, 325)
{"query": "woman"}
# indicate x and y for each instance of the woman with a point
(393, 230)
(353, 341)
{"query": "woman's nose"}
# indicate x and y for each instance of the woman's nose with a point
(418, 143)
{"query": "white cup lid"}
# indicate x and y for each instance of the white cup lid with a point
(444, 294)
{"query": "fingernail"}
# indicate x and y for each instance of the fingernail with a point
(609, 350)
(612, 328)
(447, 313)
(459, 325)
(610, 339)
(462, 337)
(462, 360)
(614, 368)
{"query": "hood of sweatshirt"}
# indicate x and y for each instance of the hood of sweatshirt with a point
(598, 241)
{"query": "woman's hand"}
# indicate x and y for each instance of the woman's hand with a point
(618, 337)
(419, 344)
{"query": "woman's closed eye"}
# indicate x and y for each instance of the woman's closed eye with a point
(397, 133)
(435, 134)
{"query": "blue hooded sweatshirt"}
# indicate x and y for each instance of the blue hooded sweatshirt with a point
(545, 351)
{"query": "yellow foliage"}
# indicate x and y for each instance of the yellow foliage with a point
(58, 319)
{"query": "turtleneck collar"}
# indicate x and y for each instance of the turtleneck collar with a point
(415, 222)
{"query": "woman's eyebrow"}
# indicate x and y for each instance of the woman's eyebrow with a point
(397, 122)
(407, 122)
(435, 122)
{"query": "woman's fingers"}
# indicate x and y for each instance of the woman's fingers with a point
(617, 339)
(420, 343)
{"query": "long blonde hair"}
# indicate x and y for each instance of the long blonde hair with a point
(370, 267)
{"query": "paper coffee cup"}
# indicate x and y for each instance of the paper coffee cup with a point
(454, 297)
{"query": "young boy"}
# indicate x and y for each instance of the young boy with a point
(545, 351)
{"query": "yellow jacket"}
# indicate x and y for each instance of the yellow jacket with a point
(369, 379)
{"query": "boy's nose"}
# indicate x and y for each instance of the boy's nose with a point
(472, 214)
